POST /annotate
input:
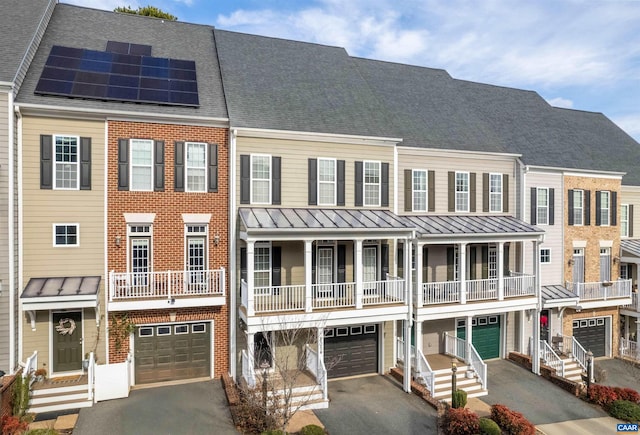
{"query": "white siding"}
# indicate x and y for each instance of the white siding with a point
(5, 329)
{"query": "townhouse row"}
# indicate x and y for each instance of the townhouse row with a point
(181, 196)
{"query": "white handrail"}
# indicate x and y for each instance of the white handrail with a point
(479, 366)
(425, 371)
(91, 370)
(248, 372)
(455, 346)
(550, 358)
(578, 353)
(629, 349)
(315, 364)
(30, 365)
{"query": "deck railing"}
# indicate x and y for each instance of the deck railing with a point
(482, 289)
(449, 292)
(634, 303)
(629, 349)
(550, 358)
(589, 291)
(391, 290)
(519, 285)
(445, 292)
(337, 295)
(578, 353)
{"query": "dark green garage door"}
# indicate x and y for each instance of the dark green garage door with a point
(172, 352)
(351, 350)
(591, 334)
(485, 335)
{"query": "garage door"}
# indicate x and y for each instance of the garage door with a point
(172, 352)
(351, 350)
(591, 334)
(485, 335)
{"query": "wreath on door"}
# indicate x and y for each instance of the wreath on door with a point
(66, 326)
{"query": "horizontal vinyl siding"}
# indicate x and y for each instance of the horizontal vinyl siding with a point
(43, 208)
(550, 274)
(442, 164)
(5, 330)
(294, 164)
(631, 196)
(389, 338)
(36, 340)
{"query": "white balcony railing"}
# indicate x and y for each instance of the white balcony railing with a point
(629, 349)
(446, 292)
(391, 290)
(338, 295)
(591, 291)
(167, 284)
(634, 303)
(449, 292)
(520, 285)
(482, 289)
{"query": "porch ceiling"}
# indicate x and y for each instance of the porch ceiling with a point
(630, 247)
(59, 292)
(290, 221)
(469, 226)
(558, 296)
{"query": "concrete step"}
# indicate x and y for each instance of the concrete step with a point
(443, 384)
(447, 371)
(55, 398)
(59, 390)
(315, 404)
(478, 393)
(61, 405)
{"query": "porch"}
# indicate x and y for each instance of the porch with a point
(604, 293)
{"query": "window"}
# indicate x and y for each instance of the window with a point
(495, 192)
(369, 263)
(578, 206)
(140, 253)
(462, 191)
(65, 235)
(262, 266)
(419, 190)
(326, 182)
(605, 264)
(66, 162)
(372, 184)
(141, 164)
(196, 167)
(624, 220)
(260, 179)
(545, 255)
(542, 206)
(604, 208)
(196, 255)
(625, 271)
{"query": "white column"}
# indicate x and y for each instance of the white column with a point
(522, 314)
(468, 336)
(462, 271)
(407, 357)
(308, 279)
(408, 280)
(320, 339)
(357, 265)
(251, 349)
(251, 311)
(500, 252)
(419, 277)
(418, 336)
(535, 357)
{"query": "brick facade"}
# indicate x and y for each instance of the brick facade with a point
(168, 242)
(571, 315)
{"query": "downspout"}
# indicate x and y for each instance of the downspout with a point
(11, 233)
(232, 254)
(15, 287)
(105, 322)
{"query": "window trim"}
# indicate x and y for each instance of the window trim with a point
(605, 215)
(187, 167)
(548, 255)
(76, 225)
(500, 177)
(538, 206)
(378, 163)
(268, 246)
(414, 191)
(320, 182)
(467, 193)
(251, 179)
(581, 208)
(624, 223)
(55, 162)
(139, 235)
(190, 234)
(132, 165)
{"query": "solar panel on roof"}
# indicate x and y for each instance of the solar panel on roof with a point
(116, 75)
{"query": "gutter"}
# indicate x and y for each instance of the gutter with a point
(11, 235)
(233, 133)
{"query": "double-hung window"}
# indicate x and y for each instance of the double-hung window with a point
(495, 193)
(462, 191)
(578, 206)
(262, 265)
(65, 235)
(542, 206)
(141, 164)
(372, 184)
(196, 167)
(545, 255)
(66, 162)
(327, 181)
(419, 190)
(260, 179)
(604, 207)
(624, 220)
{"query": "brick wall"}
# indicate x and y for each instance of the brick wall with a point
(570, 315)
(6, 395)
(168, 244)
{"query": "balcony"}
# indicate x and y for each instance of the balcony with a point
(168, 289)
(323, 297)
(605, 293)
(454, 292)
(634, 307)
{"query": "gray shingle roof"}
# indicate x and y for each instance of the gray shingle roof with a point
(19, 21)
(469, 225)
(80, 27)
(288, 85)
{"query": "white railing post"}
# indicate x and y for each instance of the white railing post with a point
(357, 264)
(112, 286)
(462, 267)
(500, 252)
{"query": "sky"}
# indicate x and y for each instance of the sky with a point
(578, 54)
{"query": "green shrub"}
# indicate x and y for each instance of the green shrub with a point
(459, 399)
(489, 427)
(274, 432)
(312, 429)
(46, 431)
(625, 410)
(460, 421)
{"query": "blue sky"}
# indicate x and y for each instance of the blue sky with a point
(580, 54)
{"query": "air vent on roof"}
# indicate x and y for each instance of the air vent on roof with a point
(102, 75)
(128, 48)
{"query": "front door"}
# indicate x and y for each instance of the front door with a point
(578, 265)
(67, 341)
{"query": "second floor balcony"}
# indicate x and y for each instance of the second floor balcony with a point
(603, 293)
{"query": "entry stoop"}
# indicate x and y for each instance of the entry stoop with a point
(472, 385)
(54, 397)
(572, 370)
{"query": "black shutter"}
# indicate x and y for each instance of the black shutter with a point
(342, 263)
(276, 266)
(358, 184)
(123, 164)
(587, 207)
(552, 212)
(46, 162)
(473, 263)
(571, 220)
(425, 264)
(485, 262)
(408, 190)
(243, 264)
(275, 181)
(212, 175)
(598, 206)
(384, 185)
(312, 175)
(485, 192)
(400, 260)
(450, 265)
(472, 192)
(85, 163)
(505, 193)
(630, 219)
(534, 206)
(506, 270)
(452, 191)
(432, 191)
(384, 259)
(614, 208)
(341, 184)
(245, 180)
(158, 166)
(178, 167)
(313, 263)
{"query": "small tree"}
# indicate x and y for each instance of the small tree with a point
(147, 11)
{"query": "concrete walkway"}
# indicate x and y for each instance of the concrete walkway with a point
(590, 426)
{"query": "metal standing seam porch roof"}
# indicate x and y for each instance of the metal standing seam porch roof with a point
(61, 292)
(631, 246)
(460, 226)
(558, 296)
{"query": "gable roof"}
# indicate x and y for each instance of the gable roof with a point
(79, 27)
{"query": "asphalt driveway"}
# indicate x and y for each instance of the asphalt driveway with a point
(619, 373)
(540, 401)
(375, 405)
(195, 408)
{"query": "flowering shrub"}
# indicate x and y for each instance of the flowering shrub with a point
(12, 425)
(511, 422)
(602, 395)
(628, 394)
(461, 421)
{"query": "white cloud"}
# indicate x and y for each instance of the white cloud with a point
(629, 123)
(561, 102)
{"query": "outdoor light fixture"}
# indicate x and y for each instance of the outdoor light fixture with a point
(172, 316)
(570, 262)
(216, 239)
(118, 240)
